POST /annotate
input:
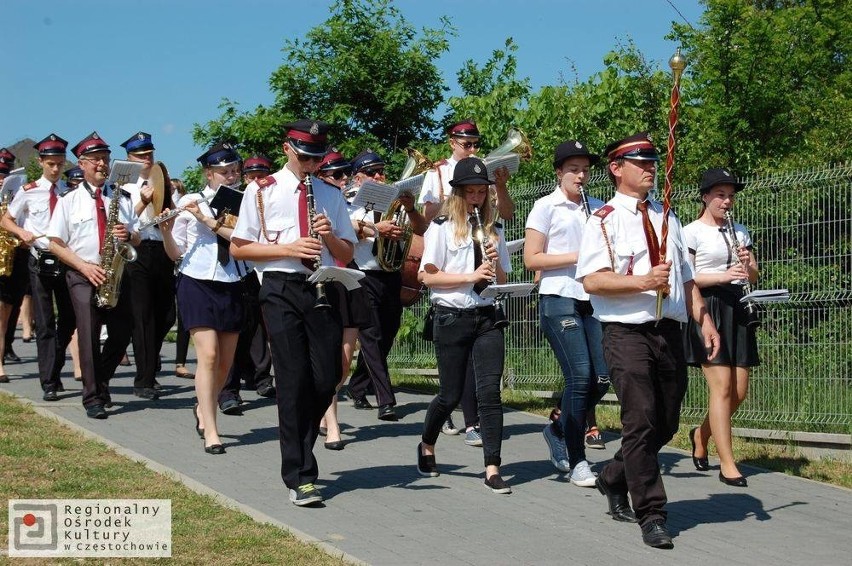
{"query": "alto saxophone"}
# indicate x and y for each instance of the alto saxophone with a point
(114, 255)
(8, 241)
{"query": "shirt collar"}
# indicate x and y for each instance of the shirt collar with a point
(630, 203)
(558, 198)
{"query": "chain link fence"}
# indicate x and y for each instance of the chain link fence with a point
(801, 225)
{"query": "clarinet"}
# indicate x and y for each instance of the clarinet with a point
(585, 200)
(500, 320)
(752, 318)
(322, 300)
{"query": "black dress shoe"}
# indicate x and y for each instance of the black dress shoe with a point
(11, 356)
(619, 507)
(361, 403)
(50, 395)
(146, 393)
(96, 412)
(336, 445)
(215, 449)
(157, 385)
(4, 378)
(386, 413)
(231, 407)
(738, 481)
(655, 534)
(198, 428)
(267, 391)
(701, 464)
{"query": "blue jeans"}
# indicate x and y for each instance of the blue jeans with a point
(576, 339)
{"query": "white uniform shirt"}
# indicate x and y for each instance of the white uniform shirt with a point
(561, 221)
(31, 209)
(75, 221)
(198, 244)
(135, 190)
(626, 240)
(364, 248)
(281, 215)
(441, 250)
(432, 182)
(712, 246)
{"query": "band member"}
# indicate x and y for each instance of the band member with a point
(724, 262)
(552, 239)
(454, 265)
(383, 289)
(209, 292)
(78, 236)
(286, 237)
(620, 268)
(73, 177)
(252, 360)
(33, 207)
(152, 279)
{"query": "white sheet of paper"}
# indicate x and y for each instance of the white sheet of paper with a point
(13, 183)
(767, 296)
(121, 172)
(375, 196)
(508, 290)
(515, 245)
(348, 277)
(510, 161)
(411, 185)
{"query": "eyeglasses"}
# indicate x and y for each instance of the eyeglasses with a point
(373, 172)
(468, 145)
(104, 159)
(304, 158)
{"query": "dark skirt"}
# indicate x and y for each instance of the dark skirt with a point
(210, 304)
(739, 340)
(353, 306)
(13, 287)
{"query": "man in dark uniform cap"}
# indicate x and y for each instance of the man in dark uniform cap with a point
(620, 267)
(151, 276)
(73, 177)
(256, 167)
(305, 340)
(33, 207)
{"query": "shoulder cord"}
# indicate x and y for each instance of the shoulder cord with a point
(263, 220)
(608, 246)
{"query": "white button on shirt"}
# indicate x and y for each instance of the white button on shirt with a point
(31, 209)
(626, 239)
(561, 222)
(433, 183)
(441, 249)
(281, 216)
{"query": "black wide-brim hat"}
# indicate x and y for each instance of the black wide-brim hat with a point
(573, 148)
(470, 171)
(718, 176)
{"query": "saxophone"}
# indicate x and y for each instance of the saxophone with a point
(114, 254)
(8, 242)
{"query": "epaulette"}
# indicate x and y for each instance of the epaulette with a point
(440, 219)
(29, 186)
(604, 211)
(267, 181)
(68, 191)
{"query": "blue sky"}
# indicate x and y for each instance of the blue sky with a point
(160, 66)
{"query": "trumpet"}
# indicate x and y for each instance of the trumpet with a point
(752, 318)
(322, 300)
(163, 216)
(500, 320)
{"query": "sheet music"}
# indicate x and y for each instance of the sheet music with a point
(510, 161)
(515, 245)
(411, 185)
(121, 172)
(767, 296)
(11, 185)
(375, 196)
(508, 290)
(348, 277)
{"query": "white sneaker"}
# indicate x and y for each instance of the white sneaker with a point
(582, 475)
(558, 451)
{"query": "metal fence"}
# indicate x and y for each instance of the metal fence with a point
(801, 225)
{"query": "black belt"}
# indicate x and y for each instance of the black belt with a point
(663, 324)
(286, 276)
(150, 242)
(485, 310)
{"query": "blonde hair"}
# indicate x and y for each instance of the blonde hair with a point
(455, 208)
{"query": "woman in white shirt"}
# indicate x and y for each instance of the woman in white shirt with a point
(209, 292)
(724, 262)
(456, 270)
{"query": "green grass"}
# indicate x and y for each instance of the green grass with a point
(39, 458)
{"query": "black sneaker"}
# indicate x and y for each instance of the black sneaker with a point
(426, 465)
(497, 484)
(231, 407)
(96, 412)
(146, 393)
(306, 494)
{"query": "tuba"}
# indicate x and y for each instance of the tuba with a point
(391, 254)
(114, 255)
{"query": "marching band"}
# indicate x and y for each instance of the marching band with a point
(259, 286)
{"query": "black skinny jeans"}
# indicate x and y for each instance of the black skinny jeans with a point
(463, 336)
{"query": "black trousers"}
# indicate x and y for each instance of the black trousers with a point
(306, 346)
(98, 364)
(252, 359)
(377, 339)
(648, 372)
(54, 328)
(152, 285)
(467, 340)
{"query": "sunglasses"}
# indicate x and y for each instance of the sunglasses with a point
(336, 175)
(468, 145)
(373, 172)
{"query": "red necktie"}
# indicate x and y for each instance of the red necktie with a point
(650, 234)
(99, 205)
(53, 198)
(304, 221)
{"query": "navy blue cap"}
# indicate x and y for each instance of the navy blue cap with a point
(308, 137)
(74, 174)
(573, 148)
(257, 162)
(90, 144)
(219, 155)
(470, 171)
(719, 176)
(51, 145)
(638, 147)
(140, 142)
(366, 159)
